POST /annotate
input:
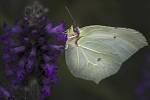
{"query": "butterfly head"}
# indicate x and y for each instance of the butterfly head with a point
(73, 32)
(73, 35)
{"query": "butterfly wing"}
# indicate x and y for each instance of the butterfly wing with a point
(100, 51)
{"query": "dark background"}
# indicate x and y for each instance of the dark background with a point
(123, 13)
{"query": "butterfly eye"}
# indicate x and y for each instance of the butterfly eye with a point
(76, 30)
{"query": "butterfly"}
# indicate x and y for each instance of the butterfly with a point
(96, 52)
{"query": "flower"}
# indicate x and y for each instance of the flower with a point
(32, 47)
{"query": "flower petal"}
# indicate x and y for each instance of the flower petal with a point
(46, 58)
(59, 29)
(61, 37)
(31, 60)
(18, 49)
(23, 61)
(4, 93)
(49, 27)
(49, 69)
(20, 75)
(29, 66)
(56, 47)
(45, 92)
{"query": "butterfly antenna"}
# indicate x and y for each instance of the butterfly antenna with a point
(72, 18)
(75, 27)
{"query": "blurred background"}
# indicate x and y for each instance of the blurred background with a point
(129, 82)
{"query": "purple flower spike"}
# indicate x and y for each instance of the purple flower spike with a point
(32, 47)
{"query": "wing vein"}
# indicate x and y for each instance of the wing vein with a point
(96, 51)
(88, 61)
(78, 57)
